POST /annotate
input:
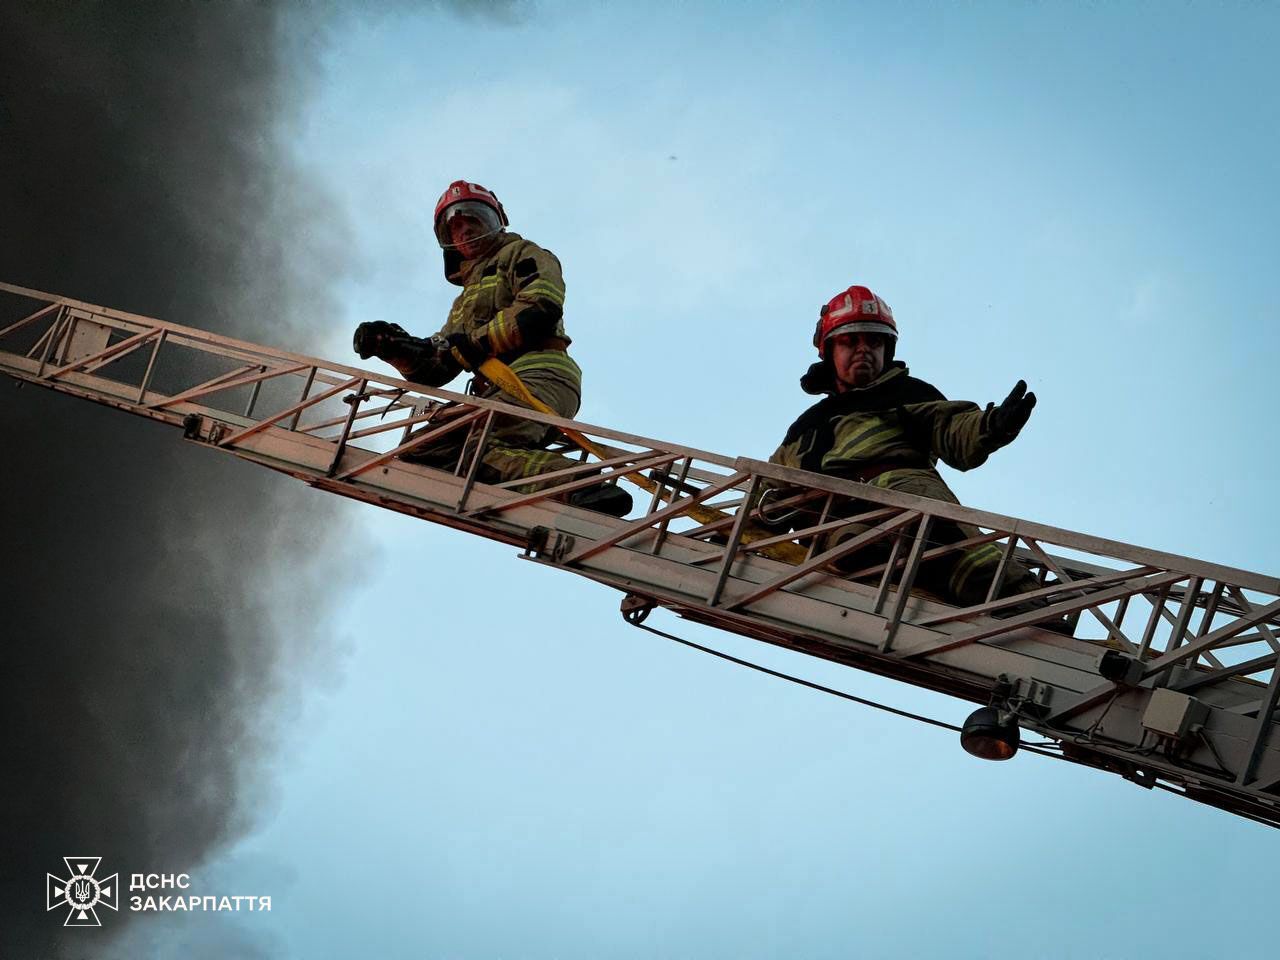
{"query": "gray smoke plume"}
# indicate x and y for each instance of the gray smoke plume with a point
(156, 599)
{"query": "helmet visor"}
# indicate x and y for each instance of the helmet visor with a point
(864, 326)
(451, 223)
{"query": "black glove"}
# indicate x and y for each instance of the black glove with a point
(1007, 420)
(468, 353)
(373, 339)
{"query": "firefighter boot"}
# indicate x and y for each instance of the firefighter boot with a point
(602, 498)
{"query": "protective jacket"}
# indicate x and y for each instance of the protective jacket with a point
(891, 434)
(511, 304)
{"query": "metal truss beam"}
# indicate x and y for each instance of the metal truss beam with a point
(699, 551)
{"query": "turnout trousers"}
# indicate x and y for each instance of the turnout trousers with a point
(515, 449)
(962, 577)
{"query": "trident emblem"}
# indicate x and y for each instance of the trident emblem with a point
(82, 893)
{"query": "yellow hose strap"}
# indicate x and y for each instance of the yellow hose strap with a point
(508, 381)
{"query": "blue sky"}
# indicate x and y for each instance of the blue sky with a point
(1083, 196)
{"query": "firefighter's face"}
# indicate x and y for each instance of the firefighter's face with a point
(465, 233)
(858, 358)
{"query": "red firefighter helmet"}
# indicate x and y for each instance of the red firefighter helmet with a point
(856, 310)
(461, 198)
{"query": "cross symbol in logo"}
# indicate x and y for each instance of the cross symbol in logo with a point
(82, 894)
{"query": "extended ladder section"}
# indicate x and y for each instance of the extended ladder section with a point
(1170, 680)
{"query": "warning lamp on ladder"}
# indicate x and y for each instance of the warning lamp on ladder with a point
(989, 736)
(991, 732)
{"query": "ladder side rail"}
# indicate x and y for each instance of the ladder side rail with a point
(1098, 546)
(1011, 662)
(540, 417)
(934, 507)
(204, 341)
(868, 493)
(1215, 640)
(201, 341)
(827, 613)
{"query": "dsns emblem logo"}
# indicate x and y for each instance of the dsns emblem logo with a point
(82, 893)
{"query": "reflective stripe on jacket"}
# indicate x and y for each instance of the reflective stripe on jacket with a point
(897, 421)
(511, 303)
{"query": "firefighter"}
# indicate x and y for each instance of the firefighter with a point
(881, 426)
(511, 308)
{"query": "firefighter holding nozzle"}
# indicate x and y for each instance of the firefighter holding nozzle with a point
(511, 307)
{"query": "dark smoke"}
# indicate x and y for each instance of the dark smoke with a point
(157, 599)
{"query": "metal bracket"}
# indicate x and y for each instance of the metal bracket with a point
(1022, 696)
(1120, 668)
(192, 424)
(1036, 698)
(541, 545)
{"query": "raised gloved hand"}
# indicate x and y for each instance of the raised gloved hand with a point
(374, 339)
(467, 352)
(1004, 422)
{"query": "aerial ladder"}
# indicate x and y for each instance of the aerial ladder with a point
(1168, 679)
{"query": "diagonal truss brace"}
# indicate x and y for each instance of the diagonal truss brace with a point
(704, 557)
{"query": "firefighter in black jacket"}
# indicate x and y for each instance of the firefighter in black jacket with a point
(881, 426)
